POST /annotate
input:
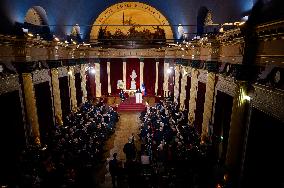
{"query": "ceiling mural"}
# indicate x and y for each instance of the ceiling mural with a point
(131, 18)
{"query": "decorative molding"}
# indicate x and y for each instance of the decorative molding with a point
(77, 69)
(226, 85)
(62, 71)
(269, 101)
(9, 83)
(40, 76)
(202, 77)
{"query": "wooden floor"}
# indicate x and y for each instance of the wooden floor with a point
(129, 123)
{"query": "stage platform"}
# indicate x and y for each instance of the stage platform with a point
(130, 104)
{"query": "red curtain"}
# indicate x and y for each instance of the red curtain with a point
(90, 84)
(132, 64)
(179, 88)
(200, 106)
(116, 73)
(149, 75)
(160, 77)
(187, 89)
(171, 77)
(103, 76)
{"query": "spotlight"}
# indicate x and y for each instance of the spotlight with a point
(169, 71)
(30, 35)
(92, 70)
(246, 97)
(56, 39)
(25, 30)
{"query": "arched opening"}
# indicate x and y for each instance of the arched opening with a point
(36, 16)
(36, 22)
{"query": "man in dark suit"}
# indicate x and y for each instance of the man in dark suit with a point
(113, 169)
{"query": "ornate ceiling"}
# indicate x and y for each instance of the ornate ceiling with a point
(64, 14)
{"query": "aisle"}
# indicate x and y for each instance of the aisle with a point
(128, 124)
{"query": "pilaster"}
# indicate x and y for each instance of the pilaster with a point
(98, 80)
(237, 130)
(56, 96)
(31, 109)
(176, 81)
(193, 95)
(83, 83)
(166, 79)
(183, 85)
(72, 88)
(208, 104)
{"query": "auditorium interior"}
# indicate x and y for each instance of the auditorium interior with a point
(154, 94)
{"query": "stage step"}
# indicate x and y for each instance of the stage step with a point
(131, 105)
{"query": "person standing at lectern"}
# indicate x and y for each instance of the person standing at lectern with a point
(121, 95)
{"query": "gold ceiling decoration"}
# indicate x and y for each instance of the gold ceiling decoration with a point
(124, 15)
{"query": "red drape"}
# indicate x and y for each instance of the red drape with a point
(103, 76)
(200, 106)
(171, 77)
(187, 89)
(149, 75)
(179, 88)
(160, 77)
(91, 84)
(132, 64)
(116, 73)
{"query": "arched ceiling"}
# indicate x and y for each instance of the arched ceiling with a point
(134, 12)
(36, 16)
(63, 14)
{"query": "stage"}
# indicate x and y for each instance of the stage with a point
(130, 103)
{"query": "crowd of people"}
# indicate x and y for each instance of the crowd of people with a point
(176, 155)
(73, 149)
(171, 155)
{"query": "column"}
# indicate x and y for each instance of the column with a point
(124, 73)
(56, 96)
(193, 95)
(141, 72)
(31, 109)
(237, 130)
(157, 77)
(98, 80)
(83, 83)
(108, 78)
(176, 83)
(183, 85)
(72, 89)
(166, 79)
(208, 104)
(92, 82)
